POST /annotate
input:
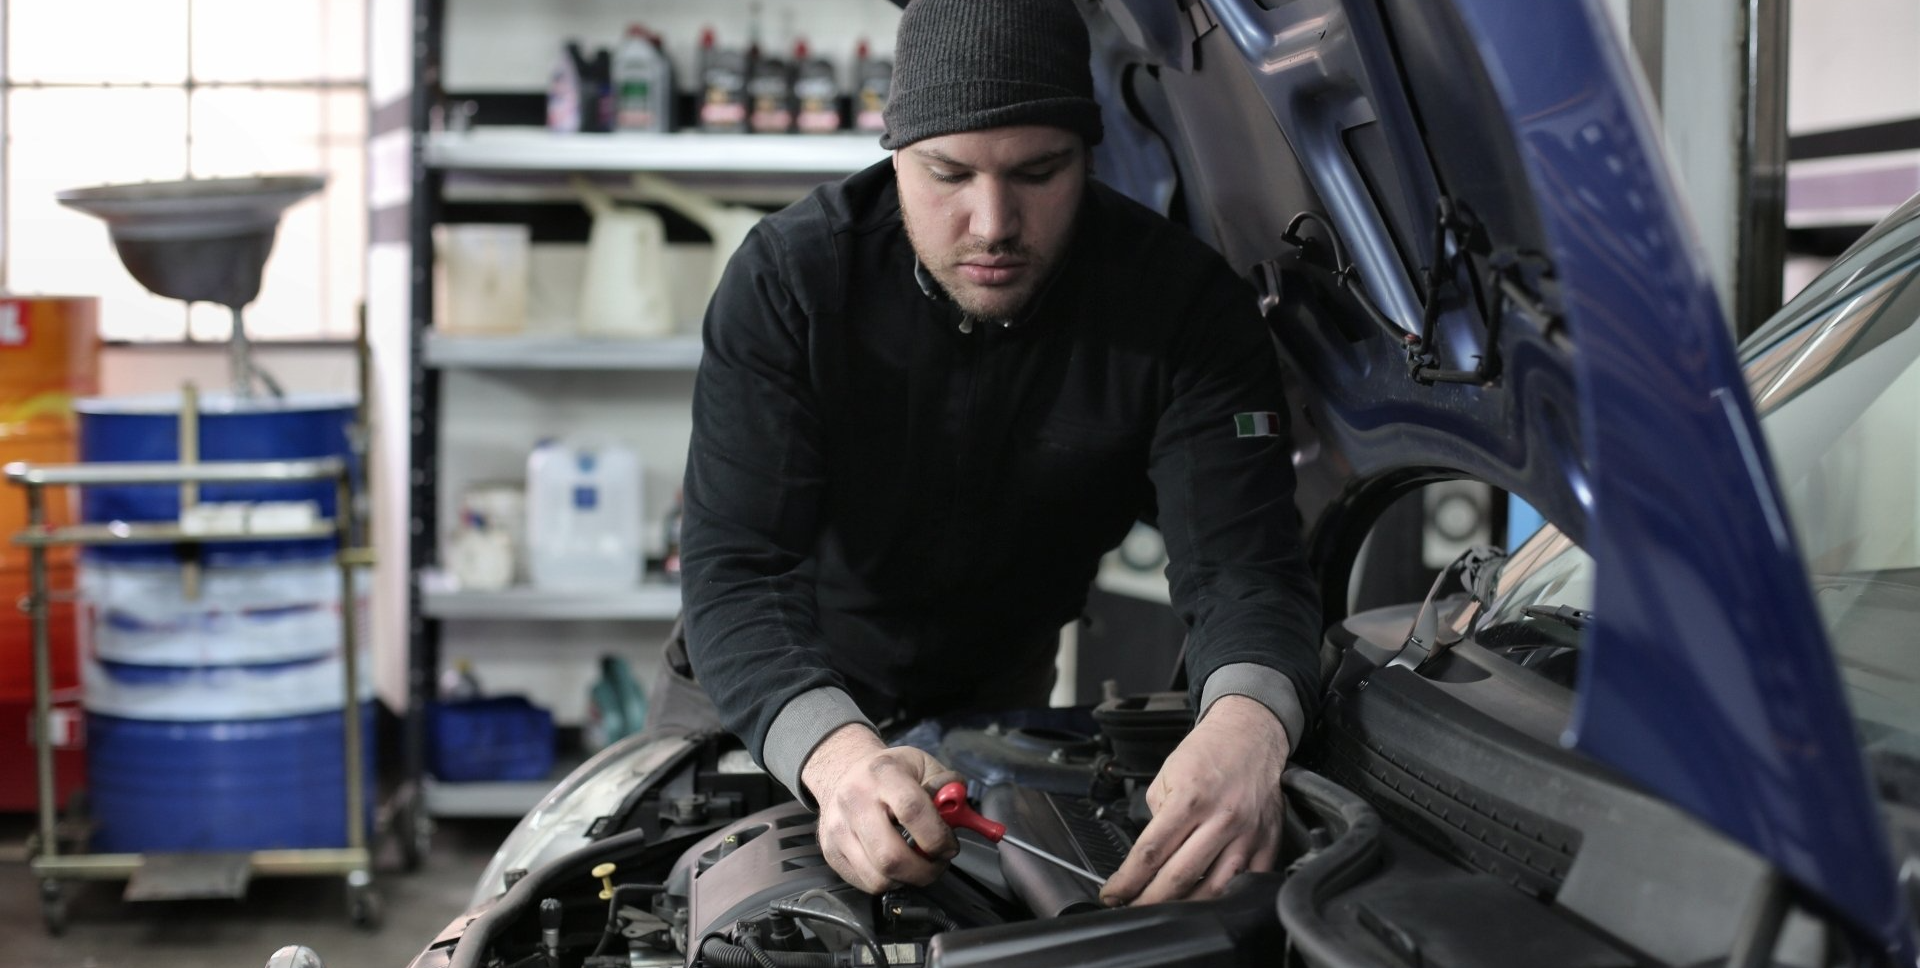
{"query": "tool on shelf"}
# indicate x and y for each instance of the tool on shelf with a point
(951, 801)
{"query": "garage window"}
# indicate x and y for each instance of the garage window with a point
(100, 91)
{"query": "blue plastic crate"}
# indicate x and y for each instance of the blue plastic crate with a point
(496, 738)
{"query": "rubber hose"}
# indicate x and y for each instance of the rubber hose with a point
(723, 954)
(758, 953)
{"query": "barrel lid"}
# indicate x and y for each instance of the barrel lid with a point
(213, 402)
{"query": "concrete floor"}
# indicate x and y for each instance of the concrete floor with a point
(106, 932)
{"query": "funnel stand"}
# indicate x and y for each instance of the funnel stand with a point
(240, 366)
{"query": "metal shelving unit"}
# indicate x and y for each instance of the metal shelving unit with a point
(521, 149)
(561, 353)
(655, 602)
(491, 165)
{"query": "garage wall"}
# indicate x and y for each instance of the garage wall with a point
(1852, 62)
(389, 271)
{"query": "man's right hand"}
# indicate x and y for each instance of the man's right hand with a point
(867, 791)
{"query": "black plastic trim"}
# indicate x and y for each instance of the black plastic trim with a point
(1865, 139)
(1320, 875)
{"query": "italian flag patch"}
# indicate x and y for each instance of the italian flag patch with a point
(1264, 424)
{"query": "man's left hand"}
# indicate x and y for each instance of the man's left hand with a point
(1216, 809)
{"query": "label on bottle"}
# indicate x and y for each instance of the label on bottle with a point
(636, 105)
(772, 99)
(819, 103)
(869, 109)
(724, 104)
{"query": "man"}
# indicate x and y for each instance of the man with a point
(933, 395)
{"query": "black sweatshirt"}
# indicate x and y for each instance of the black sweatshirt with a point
(891, 508)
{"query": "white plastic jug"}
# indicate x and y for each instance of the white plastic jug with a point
(727, 224)
(625, 289)
(583, 516)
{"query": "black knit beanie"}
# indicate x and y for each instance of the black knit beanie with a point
(966, 65)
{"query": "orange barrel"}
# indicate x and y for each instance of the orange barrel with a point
(49, 355)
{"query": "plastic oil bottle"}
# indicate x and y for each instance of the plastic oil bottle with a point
(770, 96)
(564, 92)
(642, 83)
(872, 80)
(723, 86)
(816, 93)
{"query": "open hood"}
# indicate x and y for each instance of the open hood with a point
(1465, 235)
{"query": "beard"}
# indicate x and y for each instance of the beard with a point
(983, 304)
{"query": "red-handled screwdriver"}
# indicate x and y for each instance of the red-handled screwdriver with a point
(951, 801)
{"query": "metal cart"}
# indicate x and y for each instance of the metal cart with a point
(195, 875)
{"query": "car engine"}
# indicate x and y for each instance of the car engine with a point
(691, 871)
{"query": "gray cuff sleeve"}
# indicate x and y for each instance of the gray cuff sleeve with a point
(1263, 685)
(803, 722)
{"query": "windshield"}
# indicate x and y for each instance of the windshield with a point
(1839, 401)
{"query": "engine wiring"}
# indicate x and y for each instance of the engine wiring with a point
(613, 912)
(794, 910)
(758, 953)
(740, 949)
(1345, 272)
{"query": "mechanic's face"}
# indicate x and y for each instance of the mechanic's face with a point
(990, 212)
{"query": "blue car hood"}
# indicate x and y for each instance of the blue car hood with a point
(1515, 295)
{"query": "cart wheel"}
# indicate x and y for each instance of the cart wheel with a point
(364, 906)
(53, 907)
(75, 825)
(414, 829)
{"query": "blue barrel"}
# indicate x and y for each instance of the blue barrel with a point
(148, 429)
(215, 722)
(222, 786)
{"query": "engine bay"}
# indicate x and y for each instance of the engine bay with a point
(709, 864)
(1419, 831)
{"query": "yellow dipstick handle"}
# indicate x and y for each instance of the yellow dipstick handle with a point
(605, 873)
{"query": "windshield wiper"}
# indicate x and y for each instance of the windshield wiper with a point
(1477, 568)
(1567, 615)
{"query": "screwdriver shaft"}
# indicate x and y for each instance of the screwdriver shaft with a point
(1053, 859)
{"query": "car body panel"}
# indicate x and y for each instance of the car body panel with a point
(1707, 676)
(1619, 411)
